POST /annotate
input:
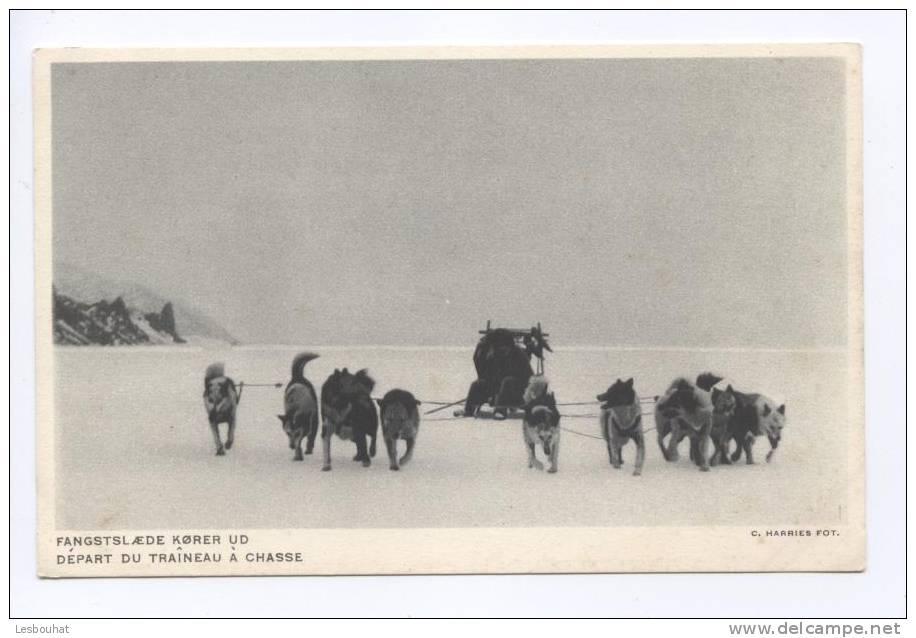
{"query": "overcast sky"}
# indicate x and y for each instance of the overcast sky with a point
(619, 202)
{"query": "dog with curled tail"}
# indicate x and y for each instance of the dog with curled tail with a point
(300, 408)
(541, 423)
(221, 400)
(621, 421)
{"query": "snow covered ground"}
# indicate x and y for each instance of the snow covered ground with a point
(133, 448)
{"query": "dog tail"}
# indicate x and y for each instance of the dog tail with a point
(298, 368)
(707, 380)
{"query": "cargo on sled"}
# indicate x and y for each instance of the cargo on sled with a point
(502, 359)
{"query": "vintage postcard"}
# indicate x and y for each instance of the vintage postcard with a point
(449, 310)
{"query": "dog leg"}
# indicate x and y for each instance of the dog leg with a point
(230, 437)
(724, 450)
(361, 452)
(640, 453)
(696, 456)
(298, 445)
(532, 458)
(326, 445)
(603, 422)
(554, 453)
(719, 452)
(408, 454)
(702, 452)
(616, 444)
(748, 447)
(313, 432)
(722, 442)
(214, 427)
(622, 444)
(736, 455)
(695, 450)
(671, 454)
(392, 445)
(661, 444)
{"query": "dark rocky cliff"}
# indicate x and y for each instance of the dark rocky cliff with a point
(110, 323)
(148, 309)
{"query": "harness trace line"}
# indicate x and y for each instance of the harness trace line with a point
(651, 399)
(565, 429)
(447, 404)
(442, 407)
(591, 436)
(242, 385)
(279, 384)
(644, 401)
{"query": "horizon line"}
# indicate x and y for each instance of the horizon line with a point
(457, 348)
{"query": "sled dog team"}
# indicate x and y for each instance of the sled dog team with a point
(706, 412)
(703, 412)
(347, 407)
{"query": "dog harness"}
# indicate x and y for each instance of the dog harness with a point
(626, 416)
(222, 384)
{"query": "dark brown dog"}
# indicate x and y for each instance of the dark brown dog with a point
(400, 420)
(684, 411)
(221, 400)
(621, 421)
(347, 410)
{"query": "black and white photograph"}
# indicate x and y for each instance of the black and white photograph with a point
(485, 310)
